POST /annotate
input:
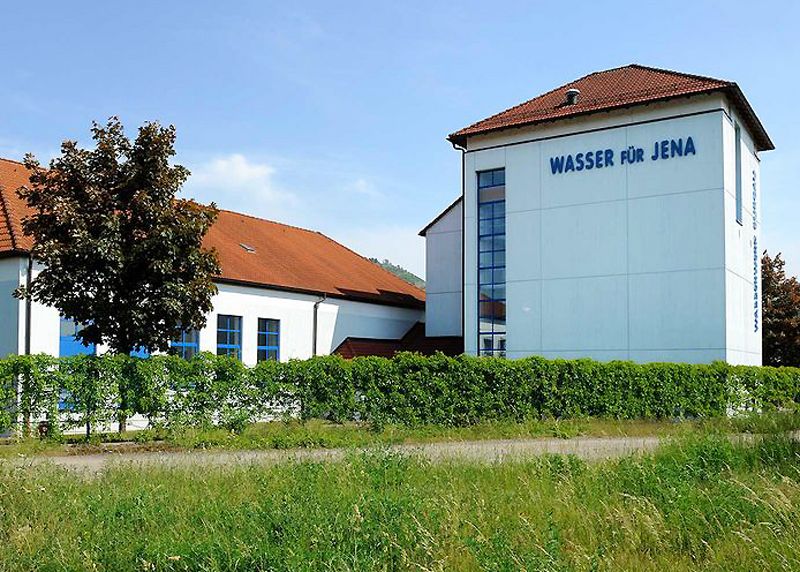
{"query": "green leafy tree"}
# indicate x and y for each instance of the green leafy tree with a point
(780, 295)
(121, 254)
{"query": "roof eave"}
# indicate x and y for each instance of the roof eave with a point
(414, 303)
(760, 136)
(439, 217)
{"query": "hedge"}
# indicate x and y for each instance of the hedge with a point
(409, 389)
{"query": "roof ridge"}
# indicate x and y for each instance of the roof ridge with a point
(684, 74)
(548, 92)
(262, 219)
(595, 73)
(6, 159)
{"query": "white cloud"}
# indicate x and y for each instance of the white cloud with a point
(237, 183)
(343, 208)
(363, 187)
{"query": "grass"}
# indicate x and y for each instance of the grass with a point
(700, 503)
(317, 433)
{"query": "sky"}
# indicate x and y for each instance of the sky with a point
(333, 115)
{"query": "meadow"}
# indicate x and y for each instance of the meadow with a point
(699, 503)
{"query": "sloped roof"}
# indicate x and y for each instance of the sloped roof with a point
(613, 89)
(414, 340)
(440, 216)
(13, 175)
(252, 251)
(293, 258)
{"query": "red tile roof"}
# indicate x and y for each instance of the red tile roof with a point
(414, 340)
(274, 255)
(13, 175)
(614, 89)
(293, 258)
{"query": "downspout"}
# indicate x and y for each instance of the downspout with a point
(463, 230)
(315, 324)
(28, 280)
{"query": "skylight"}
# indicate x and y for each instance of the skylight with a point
(247, 247)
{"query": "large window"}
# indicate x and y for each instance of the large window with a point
(269, 339)
(738, 165)
(187, 345)
(492, 263)
(229, 336)
(68, 344)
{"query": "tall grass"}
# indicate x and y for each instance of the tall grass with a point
(701, 503)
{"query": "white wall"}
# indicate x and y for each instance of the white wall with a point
(337, 319)
(742, 248)
(626, 262)
(443, 279)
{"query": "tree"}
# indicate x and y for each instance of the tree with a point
(121, 254)
(780, 298)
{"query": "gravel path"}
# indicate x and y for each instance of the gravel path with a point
(589, 448)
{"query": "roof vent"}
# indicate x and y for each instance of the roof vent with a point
(247, 247)
(572, 96)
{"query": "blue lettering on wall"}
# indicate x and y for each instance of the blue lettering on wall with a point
(756, 261)
(755, 283)
(755, 203)
(669, 148)
(604, 158)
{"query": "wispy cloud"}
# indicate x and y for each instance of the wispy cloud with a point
(364, 188)
(237, 183)
(327, 197)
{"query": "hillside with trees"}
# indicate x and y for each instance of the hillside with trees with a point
(401, 272)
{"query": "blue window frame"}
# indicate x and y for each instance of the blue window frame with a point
(269, 339)
(492, 263)
(229, 336)
(187, 345)
(68, 344)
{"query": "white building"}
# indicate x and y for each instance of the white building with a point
(615, 217)
(284, 292)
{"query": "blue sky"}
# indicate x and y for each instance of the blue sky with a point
(333, 115)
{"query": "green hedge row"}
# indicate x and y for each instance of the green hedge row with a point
(408, 389)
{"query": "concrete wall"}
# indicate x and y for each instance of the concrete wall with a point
(742, 248)
(625, 262)
(443, 279)
(10, 308)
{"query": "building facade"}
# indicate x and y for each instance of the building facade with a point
(284, 292)
(615, 217)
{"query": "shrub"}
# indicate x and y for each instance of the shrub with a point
(408, 389)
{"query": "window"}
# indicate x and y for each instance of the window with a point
(269, 335)
(229, 336)
(187, 345)
(68, 344)
(738, 135)
(492, 263)
(140, 353)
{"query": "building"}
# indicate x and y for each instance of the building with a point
(284, 292)
(614, 217)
